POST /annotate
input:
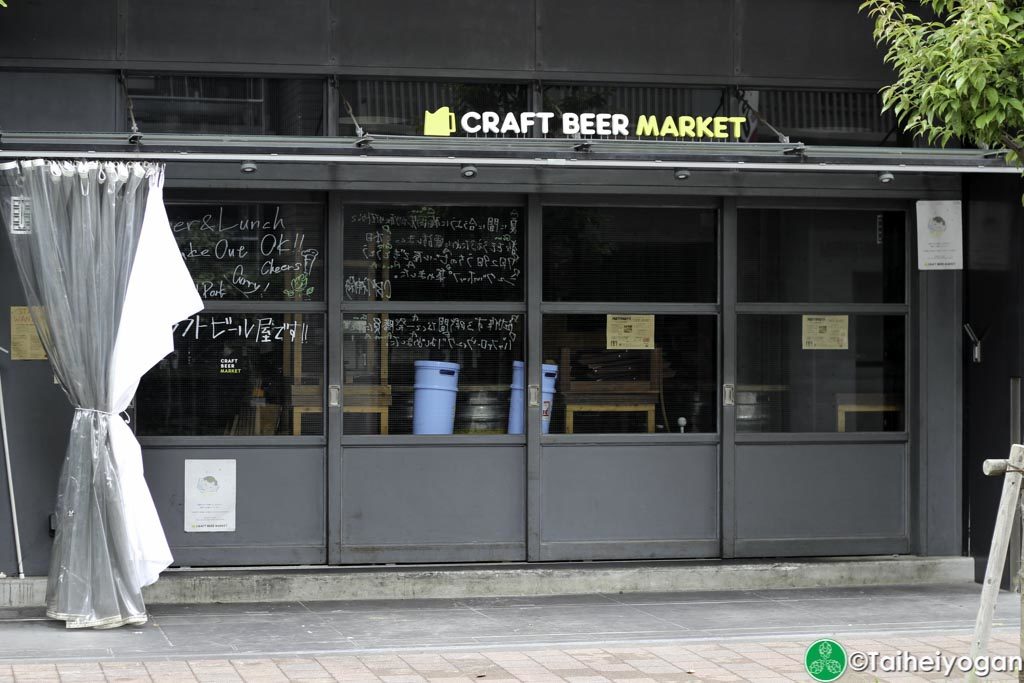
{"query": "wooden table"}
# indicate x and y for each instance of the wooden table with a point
(373, 399)
(864, 403)
(572, 408)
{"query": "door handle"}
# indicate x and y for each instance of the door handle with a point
(728, 394)
(334, 396)
(534, 395)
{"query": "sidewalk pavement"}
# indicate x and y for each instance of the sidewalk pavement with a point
(724, 636)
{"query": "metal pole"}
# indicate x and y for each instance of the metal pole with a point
(1012, 469)
(10, 478)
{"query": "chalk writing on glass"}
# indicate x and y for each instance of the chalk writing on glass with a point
(233, 255)
(262, 330)
(441, 332)
(446, 248)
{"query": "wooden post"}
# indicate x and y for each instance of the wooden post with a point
(1011, 468)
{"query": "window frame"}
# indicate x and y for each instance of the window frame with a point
(905, 309)
(345, 307)
(714, 203)
(201, 197)
(129, 99)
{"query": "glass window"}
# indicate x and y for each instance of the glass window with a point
(820, 373)
(411, 373)
(630, 254)
(236, 251)
(433, 253)
(634, 101)
(821, 256)
(397, 107)
(177, 103)
(625, 373)
(237, 374)
(824, 117)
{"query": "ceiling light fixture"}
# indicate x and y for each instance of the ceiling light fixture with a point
(886, 177)
(468, 171)
(248, 167)
(682, 174)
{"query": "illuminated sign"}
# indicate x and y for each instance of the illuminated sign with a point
(443, 123)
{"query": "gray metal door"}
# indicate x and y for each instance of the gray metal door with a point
(609, 496)
(816, 439)
(396, 496)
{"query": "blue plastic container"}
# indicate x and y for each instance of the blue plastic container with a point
(437, 384)
(549, 377)
(515, 402)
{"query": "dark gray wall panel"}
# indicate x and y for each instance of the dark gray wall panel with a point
(441, 34)
(685, 37)
(250, 32)
(59, 29)
(835, 493)
(38, 420)
(823, 40)
(653, 493)
(405, 504)
(65, 102)
(940, 436)
(280, 515)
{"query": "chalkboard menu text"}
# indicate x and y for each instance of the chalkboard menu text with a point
(425, 253)
(252, 251)
(441, 332)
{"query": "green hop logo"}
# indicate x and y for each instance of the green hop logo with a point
(825, 660)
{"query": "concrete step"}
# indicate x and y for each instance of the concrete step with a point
(310, 584)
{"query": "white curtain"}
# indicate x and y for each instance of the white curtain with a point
(105, 282)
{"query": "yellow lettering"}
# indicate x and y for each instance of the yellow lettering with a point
(647, 125)
(668, 127)
(686, 124)
(736, 122)
(720, 123)
(704, 127)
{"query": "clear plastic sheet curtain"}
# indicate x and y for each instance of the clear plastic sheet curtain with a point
(104, 282)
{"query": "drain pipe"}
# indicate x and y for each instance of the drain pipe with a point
(10, 479)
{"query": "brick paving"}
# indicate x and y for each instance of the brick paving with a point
(683, 660)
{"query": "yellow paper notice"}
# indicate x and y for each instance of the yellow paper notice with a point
(630, 332)
(826, 332)
(25, 344)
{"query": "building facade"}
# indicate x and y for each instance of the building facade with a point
(706, 339)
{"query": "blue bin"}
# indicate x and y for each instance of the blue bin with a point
(515, 405)
(548, 377)
(436, 386)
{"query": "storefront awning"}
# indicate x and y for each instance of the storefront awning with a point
(505, 152)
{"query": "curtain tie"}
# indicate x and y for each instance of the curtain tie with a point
(127, 417)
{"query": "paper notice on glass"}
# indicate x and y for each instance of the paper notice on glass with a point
(826, 332)
(630, 332)
(25, 344)
(940, 240)
(209, 495)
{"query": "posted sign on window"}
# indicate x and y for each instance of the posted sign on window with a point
(940, 241)
(630, 332)
(210, 487)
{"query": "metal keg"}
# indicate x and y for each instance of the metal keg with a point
(482, 412)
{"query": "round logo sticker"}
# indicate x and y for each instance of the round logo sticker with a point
(825, 660)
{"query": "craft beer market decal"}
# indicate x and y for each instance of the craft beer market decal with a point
(443, 123)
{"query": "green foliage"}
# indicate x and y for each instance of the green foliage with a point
(960, 74)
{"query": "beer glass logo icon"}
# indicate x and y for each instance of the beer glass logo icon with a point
(440, 123)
